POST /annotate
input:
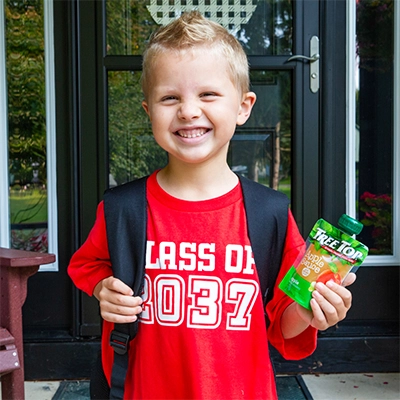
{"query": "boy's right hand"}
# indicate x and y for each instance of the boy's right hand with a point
(117, 303)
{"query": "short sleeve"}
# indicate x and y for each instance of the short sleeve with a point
(304, 344)
(90, 264)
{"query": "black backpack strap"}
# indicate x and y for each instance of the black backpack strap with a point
(123, 205)
(267, 216)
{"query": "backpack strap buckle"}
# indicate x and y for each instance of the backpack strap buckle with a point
(119, 342)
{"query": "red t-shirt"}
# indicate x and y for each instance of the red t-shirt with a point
(202, 333)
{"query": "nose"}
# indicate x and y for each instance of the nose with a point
(189, 110)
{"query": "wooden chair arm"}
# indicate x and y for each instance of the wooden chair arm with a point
(22, 258)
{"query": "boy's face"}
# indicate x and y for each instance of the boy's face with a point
(194, 106)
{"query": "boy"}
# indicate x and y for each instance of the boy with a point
(202, 333)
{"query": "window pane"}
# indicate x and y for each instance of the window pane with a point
(132, 150)
(261, 149)
(374, 118)
(264, 27)
(27, 124)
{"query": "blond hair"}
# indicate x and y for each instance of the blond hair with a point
(192, 29)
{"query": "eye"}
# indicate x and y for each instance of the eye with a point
(205, 94)
(168, 98)
(208, 95)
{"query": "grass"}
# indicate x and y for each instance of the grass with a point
(284, 186)
(28, 206)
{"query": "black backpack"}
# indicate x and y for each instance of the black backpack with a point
(125, 209)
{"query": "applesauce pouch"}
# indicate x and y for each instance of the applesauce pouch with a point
(331, 253)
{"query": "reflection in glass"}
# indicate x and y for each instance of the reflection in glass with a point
(133, 153)
(261, 149)
(27, 124)
(128, 26)
(264, 27)
(374, 118)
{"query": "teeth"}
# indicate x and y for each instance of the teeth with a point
(192, 133)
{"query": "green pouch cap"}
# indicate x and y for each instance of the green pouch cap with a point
(350, 225)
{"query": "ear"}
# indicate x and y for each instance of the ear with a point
(146, 108)
(246, 106)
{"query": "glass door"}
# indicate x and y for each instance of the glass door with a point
(279, 144)
(270, 147)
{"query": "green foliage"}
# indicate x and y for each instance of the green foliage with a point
(26, 89)
(129, 25)
(377, 215)
(132, 150)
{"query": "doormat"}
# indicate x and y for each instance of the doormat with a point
(72, 390)
(288, 387)
(292, 388)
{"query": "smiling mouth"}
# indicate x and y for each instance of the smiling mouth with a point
(192, 133)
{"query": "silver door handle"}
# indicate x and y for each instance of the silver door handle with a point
(314, 63)
(312, 59)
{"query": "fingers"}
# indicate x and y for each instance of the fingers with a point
(117, 285)
(319, 321)
(340, 291)
(350, 279)
(119, 315)
(117, 303)
(330, 304)
(121, 305)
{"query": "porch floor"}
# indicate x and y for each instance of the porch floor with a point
(373, 386)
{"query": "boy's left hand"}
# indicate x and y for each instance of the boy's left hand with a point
(329, 304)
